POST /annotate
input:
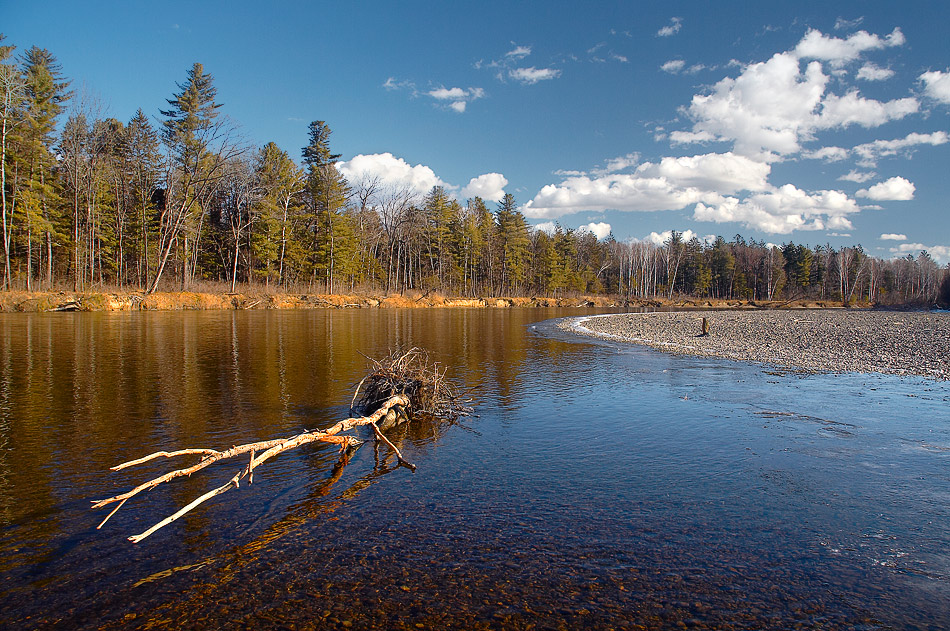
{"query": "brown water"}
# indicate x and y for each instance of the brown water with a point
(601, 486)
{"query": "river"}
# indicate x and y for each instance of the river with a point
(601, 485)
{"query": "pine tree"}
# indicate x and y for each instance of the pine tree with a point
(488, 238)
(281, 183)
(544, 273)
(441, 216)
(328, 195)
(144, 164)
(471, 242)
(199, 146)
(46, 93)
(514, 242)
(569, 274)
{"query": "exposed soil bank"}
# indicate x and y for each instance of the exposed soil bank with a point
(171, 301)
(910, 343)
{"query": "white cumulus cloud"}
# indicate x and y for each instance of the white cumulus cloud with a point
(773, 106)
(768, 107)
(443, 94)
(673, 66)
(890, 236)
(489, 186)
(660, 238)
(870, 72)
(546, 226)
(600, 229)
(852, 108)
(518, 52)
(719, 172)
(622, 162)
(670, 184)
(391, 172)
(940, 253)
(828, 154)
(871, 151)
(458, 97)
(672, 28)
(816, 45)
(937, 85)
(533, 75)
(783, 210)
(894, 189)
(857, 176)
(617, 191)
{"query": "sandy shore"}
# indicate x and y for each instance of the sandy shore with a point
(821, 341)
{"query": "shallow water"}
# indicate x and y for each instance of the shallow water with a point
(601, 486)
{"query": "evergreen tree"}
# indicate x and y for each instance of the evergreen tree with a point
(280, 209)
(566, 273)
(488, 256)
(46, 92)
(328, 196)
(798, 264)
(471, 245)
(514, 242)
(722, 268)
(199, 146)
(443, 233)
(143, 168)
(544, 273)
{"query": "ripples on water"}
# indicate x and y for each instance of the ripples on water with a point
(601, 486)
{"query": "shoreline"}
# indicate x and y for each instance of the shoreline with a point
(820, 341)
(128, 300)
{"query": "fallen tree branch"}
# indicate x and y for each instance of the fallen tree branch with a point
(401, 386)
(266, 450)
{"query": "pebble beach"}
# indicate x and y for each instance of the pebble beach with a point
(903, 343)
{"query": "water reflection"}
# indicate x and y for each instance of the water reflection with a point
(601, 486)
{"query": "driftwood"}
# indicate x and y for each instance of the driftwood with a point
(398, 386)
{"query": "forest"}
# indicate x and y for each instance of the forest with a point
(181, 200)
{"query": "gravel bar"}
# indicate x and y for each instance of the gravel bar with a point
(902, 343)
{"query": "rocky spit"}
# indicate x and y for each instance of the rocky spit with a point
(903, 343)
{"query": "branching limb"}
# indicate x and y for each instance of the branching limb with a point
(403, 386)
(265, 451)
(164, 454)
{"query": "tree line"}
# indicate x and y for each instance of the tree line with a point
(95, 202)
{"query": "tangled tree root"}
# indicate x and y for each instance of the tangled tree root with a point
(399, 387)
(412, 374)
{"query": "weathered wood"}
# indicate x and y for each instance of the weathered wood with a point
(401, 386)
(264, 449)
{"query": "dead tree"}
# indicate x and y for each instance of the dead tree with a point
(399, 387)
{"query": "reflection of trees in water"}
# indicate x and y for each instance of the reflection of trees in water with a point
(81, 392)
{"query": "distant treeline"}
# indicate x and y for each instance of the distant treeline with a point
(97, 202)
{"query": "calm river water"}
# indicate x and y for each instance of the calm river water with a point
(601, 486)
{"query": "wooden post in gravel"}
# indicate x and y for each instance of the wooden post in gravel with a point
(705, 328)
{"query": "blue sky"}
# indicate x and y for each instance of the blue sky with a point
(814, 122)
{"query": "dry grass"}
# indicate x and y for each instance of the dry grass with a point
(217, 296)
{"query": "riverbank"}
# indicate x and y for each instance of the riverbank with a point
(186, 301)
(908, 343)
